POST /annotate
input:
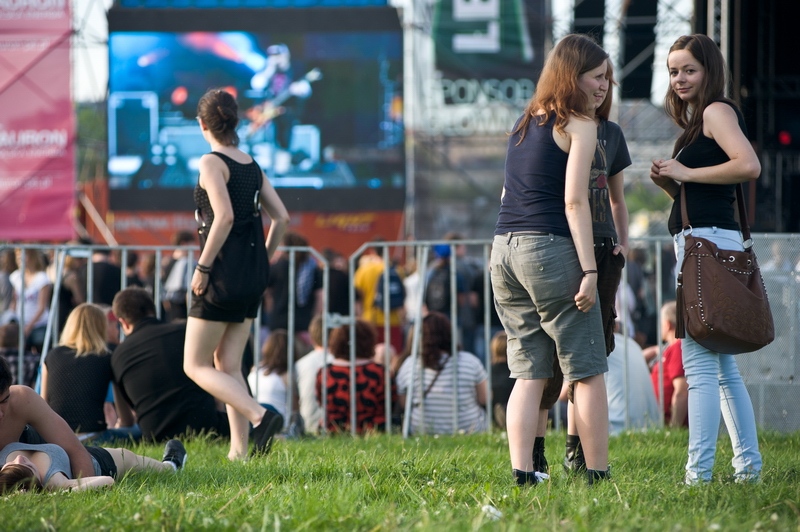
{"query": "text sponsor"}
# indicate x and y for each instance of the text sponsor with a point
(347, 223)
(154, 222)
(33, 138)
(461, 91)
(28, 45)
(32, 5)
(467, 120)
(43, 182)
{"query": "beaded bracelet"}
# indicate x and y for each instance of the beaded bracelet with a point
(587, 272)
(203, 269)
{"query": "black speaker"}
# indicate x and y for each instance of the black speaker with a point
(639, 21)
(589, 18)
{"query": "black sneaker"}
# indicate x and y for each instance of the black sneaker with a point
(264, 433)
(175, 453)
(574, 461)
(539, 460)
(593, 476)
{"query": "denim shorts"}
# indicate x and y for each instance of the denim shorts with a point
(535, 279)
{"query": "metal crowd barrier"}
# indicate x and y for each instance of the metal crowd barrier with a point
(768, 373)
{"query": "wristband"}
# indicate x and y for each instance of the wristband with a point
(587, 272)
(203, 269)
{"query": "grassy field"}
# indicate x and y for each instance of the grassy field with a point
(434, 483)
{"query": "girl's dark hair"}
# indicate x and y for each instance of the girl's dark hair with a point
(437, 338)
(366, 338)
(15, 477)
(220, 114)
(690, 117)
(275, 353)
(6, 378)
(557, 90)
(292, 239)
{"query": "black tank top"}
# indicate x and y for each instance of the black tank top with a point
(707, 205)
(245, 181)
(535, 178)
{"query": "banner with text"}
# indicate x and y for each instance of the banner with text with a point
(488, 56)
(343, 232)
(37, 125)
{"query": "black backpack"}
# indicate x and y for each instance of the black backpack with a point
(437, 290)
(397, 291)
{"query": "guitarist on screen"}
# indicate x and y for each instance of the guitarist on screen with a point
(284, 105)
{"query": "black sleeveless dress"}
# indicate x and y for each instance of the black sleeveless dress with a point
(240, 271)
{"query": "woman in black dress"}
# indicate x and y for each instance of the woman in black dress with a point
(231, 274)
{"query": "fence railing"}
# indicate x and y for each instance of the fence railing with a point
(768, 373)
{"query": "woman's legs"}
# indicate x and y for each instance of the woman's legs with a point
(520, 424)
(702, 369)
(591, 420)
(126, 460)
(213, 359)
(737, 411)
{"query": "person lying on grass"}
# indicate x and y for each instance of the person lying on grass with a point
(25, 416)
(39, 467)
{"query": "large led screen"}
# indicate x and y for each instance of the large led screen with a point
(320, 111)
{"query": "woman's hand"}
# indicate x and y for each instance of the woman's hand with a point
(585, 298)
(661, 179)
(672, 169)
(655, 173)
(199, 282)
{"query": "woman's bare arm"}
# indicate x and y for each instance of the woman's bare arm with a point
(59, 482)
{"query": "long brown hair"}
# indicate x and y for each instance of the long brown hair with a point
(557, 91)
(437, 339)
(275, 353)
(687, 116)
(16, 477)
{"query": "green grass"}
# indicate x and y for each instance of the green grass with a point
(432, 483)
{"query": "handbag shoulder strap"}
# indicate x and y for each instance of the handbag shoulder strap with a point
(739, 200)
(435, 378)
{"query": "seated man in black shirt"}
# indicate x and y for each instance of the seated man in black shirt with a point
(148, 372)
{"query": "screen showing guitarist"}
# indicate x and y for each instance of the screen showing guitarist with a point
(284, 105)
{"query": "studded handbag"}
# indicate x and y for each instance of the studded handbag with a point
(721, 299)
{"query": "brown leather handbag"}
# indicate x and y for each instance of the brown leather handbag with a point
(721, 299)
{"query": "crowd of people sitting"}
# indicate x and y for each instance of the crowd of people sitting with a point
(106, 390)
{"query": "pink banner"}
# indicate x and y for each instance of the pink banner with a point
(38, 16)
(37, 125)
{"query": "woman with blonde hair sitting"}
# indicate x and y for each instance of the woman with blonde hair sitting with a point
(77, 372)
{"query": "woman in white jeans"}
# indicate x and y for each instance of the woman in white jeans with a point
(716, 387)
(710, 158)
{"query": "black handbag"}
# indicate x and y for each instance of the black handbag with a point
(721, 299)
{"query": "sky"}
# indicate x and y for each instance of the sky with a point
(90, 54)
(90, 50)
